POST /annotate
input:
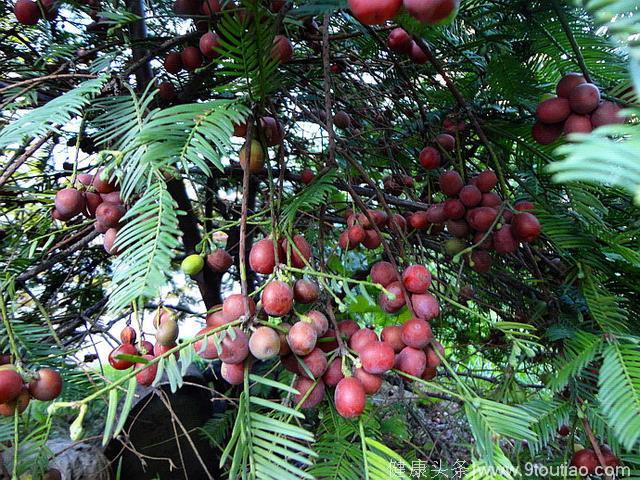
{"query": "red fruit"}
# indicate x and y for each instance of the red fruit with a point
(102, 182)
(69, 202)
(586, 460)
(564, 430)
(546, 134)
(458, 228)
(425, 306)
(610, 460)
(417, 55)
(436, 213)
(481, 218)
(524, 205)
(451, 183)
(109, 240)
(416, 278)
(272, 130)
(219, 261)
(350, 397)
(361, 339)
(342, 120)
(430, 158)
(305, 291)
(377, 357)
(209, 7)
(345, 244)
(470, 195)
(159, 350)
(10, 385)
(277, 298)
(209, 44)
(173, 63)
(419, 220)
(370, 382)
(584, 98)
(167, 91)
(568, 83)
(446, 141)
(374, 12)
(128, 335)
(313, 365)
(264, 343)
(525, 226)
(92, 200)
(113, 197)
(186, 7)
(307, 176)
(578, 124)
(319, 321)
(328, 342)
(262, 257)
(20, 403)
(487, 243)
(347, 328)
(109, 214)
(554, 110)
(431, 11)
(240, 130)
(47, 384)
(411, 361)
(491, 199)
(143, 347)
(233, 373)
(504, 241)
(282, 333)
(126, 349)
(191, 58)
(148, 375)
(302, 338)
(389, 305)
(433, 359)
(486, 181)
(303, 385)
(356, 234)
(607, 113)
(454, 208)
(399, 41)
(393, 336)
(26, 12)
(397, 223)
(299, 241)
(416, 333)
(233, 307)
(234, 350)
(372, 240)
(429, 373)
(481, 261)
(210, 352)
(282, 49)
(333, 375)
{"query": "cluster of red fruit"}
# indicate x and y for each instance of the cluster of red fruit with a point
(400, 41)
(587, 460)
(15, 393)
(577, 108)
(360, 229)
(375, 12)
(97, 197)
(28, 12)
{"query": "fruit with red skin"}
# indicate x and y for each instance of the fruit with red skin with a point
(504, 241)
(399, 40)
(610, 460)
(345, 244)
(319, 321)
(305, 291)
(446, 141)
(436, 213)
(470, 196)
(450, 183)
(85, 179)
(191, 58)
(314, 364)
(128, 335)
(209, 7)
(491, 199)
(374, 12)
(416, 54)
(554, 110)
(302, 338)
(454, 208)
(486, 181)
(301, 244)
(173, 63)
(328, 342)
(392, 335)
(126, 349)
(429, 373)
(347, 328)
(334, 374)
(430, 158)
(46, 385)
(10, 384)
(416, 333)
(262, 257)
(342, 120)
(20, 403)
(148, 375)
(219, 260)
(27, 12)
(233, 307)
(584, 98)
(69, 202)
(159, 350)
(419, 220)
(397, 223)
(361, 339)
(377, 357)
(186, 7)
(425, 306)
(607, 113)
(546, 134)
(209, 44)
(290, 362)
(372, 240)
(411, 361)
(356, 234)
(458, 228)
(234, 350)
(307, 176)
(433, 359)
(167, 91)
(109, 214)
(586, 460)
(486, 244)
(568, 83)
(336, 68)
(282, 49)
(167, 332)
(416, 278)
(277, 298)
(578, 124)
(370, 382)
(233, 373)
(276, 5)
(282, 334)
(303, 385)
(162, 315)
(430, 11)
(113, 197)
(481, 218)
(392, 305)
(564, 430)
(524, 206)
(350, 397)
(240, 130)
(507, 215)
(143, 347)
(480, 261)
(525, 226)
(264, 343)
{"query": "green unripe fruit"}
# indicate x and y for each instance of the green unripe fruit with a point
(167, 332)
(193, 264)
(453, 246)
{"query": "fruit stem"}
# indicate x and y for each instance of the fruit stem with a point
(572, 40)
(484, 237)
(7, 327)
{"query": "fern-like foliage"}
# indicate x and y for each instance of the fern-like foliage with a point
(549, 415)
(579, 351)
(310, 198)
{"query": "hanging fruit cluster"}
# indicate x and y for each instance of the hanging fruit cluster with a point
(16, 392)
